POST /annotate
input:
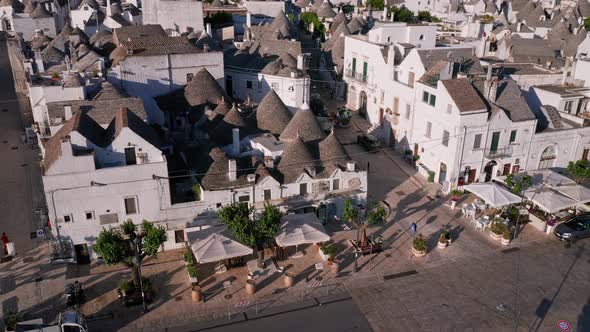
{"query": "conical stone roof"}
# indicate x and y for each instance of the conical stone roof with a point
(288, 60)
(222, 109)
(272, 115)
(325, 10)
(295, 158)
(203, 88)
(40, 12)
(234, 118)
(331, 150)
(338, 19)
(305, 125)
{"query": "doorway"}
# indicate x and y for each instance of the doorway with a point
(471, 176)
(363, 105)
(229, 86)
(488, 170)
(82, 253)
(442, 174)
(548, 157)
(506, 169)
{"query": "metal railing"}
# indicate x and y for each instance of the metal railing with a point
(498, 153)
(358, 76)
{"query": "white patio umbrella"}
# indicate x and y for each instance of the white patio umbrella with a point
(549, 199)
(296, 229)
(210, 245)
(575, 191)
(493, 194)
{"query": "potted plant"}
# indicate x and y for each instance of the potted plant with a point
(430, 176)
(327, 251)
(497, 229)
(551, 225)
(376, 215)
(55, 76)
(350, 212)
(419, 246)
(444, 239)
(11, 319)
(506, 237)
(456, 194)
(191, 265)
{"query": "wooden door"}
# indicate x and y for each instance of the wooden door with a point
(506, 170)
(471, 177)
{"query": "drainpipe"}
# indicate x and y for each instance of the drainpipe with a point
(413, 108)
(484, 147)
(526, 165)
(169, 70)
(461, 153)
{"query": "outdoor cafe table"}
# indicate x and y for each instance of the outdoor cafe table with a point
(257, 272)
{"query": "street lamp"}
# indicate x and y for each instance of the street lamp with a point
(138, 264)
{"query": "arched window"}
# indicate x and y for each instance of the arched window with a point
(548, 157)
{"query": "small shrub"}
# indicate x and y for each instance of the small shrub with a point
(196, 191)
(419, 243)
(55, 76)
(430, 176)
(193, 271)
(350, 212)
(456, 192)
(445, 236)
(507, 235)
(376, 215)
(188, 256)
(11, 319)
(147, 285)
(498, 227)
(328, 250)
(126, 285)
(408, 152)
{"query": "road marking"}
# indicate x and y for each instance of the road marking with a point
(314, 284)
(242, 304)
(564, 325)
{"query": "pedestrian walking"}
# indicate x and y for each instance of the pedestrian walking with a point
(414, 229)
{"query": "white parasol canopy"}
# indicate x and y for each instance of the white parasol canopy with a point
(575, 191)
(493, 194)
(296, 229)
(550, 200)
(210, 245)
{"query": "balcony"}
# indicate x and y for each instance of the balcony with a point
(504, 152)
(359, 77)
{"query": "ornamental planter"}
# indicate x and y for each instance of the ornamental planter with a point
(418, 253)
(550, 229)
(505, 242)
(197, 294)
(442, 245)
(323, 256)
(496, 237)
(250, 287)
(289, 279)
(335, 267)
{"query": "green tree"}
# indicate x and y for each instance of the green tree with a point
(402, 14)
(579, 170)
(255, 234)
(424, 15)
(376, 4)
(119, 245)
(268, 225)
(350, 212)
(587, 23)
(518, 185)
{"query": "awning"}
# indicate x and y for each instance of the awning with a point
(210, 245)
(575, 191)
(549, 199)
(493, 194)
(296, 229)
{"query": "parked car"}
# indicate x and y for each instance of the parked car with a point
(576, 228)
(369, 142)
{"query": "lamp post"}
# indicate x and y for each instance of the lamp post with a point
(138, 266)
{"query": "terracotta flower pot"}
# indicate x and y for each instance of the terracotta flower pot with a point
(495, 236)
(418, 253)
(250, 287)
(335, 266)
(289, 279)
(197, 294)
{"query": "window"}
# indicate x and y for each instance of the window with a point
(425, 95)
(445, 138)
(365, 70)
(395, 105)
(218, 205)
(248, 84)
(353, 66)
(303, 189)
(477, 142)
(89, 215)
(68, 218)
(130, 156)
(131, 205)
(267, 195)
(179, 236)
(428, 98)
(513, 136)
(428, 129)
(382, 96)
(450, 108)
(189, 77)
(335, 184)
(585, 154)
(408, 111)
(275, 85)
(568, 106)
(243, 199)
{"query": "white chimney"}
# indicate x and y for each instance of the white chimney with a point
(269, 162)
(518, 26)
(209, 29)
(235, 142)
(251, 178)
(350, 166)
(301, 61)
(39, 61)
(109, 11)
(232, 170)
(248, 20)
(67, 112)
